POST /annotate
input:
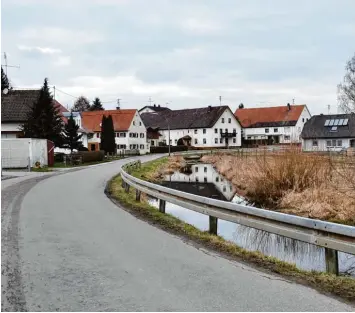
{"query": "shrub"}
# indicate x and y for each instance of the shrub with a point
(92, 156)
(165, 149)
(59, 157)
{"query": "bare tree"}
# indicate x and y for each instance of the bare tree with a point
(346, 89)
(81, 104)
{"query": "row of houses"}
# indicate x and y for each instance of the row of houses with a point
(206, 127)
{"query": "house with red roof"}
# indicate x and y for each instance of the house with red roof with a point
(130, 131)
(273, 125)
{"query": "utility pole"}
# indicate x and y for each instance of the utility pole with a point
(6, 65)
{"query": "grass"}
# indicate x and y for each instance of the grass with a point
(308, 185)
(41, 169)
(343, 287)
(62, 165)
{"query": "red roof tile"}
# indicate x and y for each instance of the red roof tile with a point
(122, 119)
(61, 109)
(270, 116)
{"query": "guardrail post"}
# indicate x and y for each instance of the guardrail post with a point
(162, 205)
(126, 187)
(123, 183)
(138, 195)
(213, 225)
(331, 261)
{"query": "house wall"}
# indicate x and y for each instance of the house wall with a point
(322, 145)
(146, 110)
(10, 130)
(209, 135)
(140, 143)
(288, 134)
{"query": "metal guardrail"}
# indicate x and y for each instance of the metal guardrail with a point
(333, 237)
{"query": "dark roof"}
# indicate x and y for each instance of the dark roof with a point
(184, 119)
(156, 108)
(314, 127)
(17, 103)
(269, 116)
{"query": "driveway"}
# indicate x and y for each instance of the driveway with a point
(67, 247)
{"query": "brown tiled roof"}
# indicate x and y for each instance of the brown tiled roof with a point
(17, 103)
(122, 119)
(184, 119)
(270, 116)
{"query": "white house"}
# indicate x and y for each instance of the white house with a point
(273, 125)
(131, 133)
(153, 108)
(329, 132)
(207, 127)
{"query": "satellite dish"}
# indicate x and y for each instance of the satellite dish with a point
(5, 91)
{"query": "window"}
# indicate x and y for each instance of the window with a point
(204, 131)
(249, 137)
(130, 134)
(230, 188)
(334, 142)
(234, 140)
(287, 138)
(117, 134)
(152, 142)
(223, 120)
(229, 120)
(220, 140)
(216, 130)
(204, 141)
(196, 141)
(195, 131)
(142, 135)
(205, 169)
(140, 123)
(315, 143)
(339, 143)
(217, 179)
(329, 143)
(197, 179)
(122, 134)
(224, 189)
(276, 130)
(98, 135)
(175, 141)
(170, 141)
(221, 179)
(141, 146)
(134, 122)
(303, 119)
(205, 179)
(196, 169)
(220, 130)
(226, 130)
(266, 130)
(216, 140)
(234, 130)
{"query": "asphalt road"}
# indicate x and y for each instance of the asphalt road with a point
(67, 247)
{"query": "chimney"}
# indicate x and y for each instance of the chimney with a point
(289, 106)
(118, 108)
(209, 108)
(158, 105)
(155, 105)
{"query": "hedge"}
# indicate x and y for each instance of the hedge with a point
(92, 156)
(165, 149)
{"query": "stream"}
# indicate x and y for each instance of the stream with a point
(203, 179)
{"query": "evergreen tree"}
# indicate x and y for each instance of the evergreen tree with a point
(44, 119)
(4, 80)
(103, 134)
(81, 104)
(96, 105)
(110, 136)
(71, 138)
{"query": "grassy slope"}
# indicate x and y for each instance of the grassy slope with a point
(343, 287)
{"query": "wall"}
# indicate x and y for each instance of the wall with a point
(15, 153)
(307, 144)
(209, 135)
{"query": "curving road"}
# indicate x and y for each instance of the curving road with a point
(67, 247)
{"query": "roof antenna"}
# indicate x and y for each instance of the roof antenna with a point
(220, 100)
(293, 101)
(328, 108)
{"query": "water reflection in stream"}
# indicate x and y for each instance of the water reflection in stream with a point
(203, 179)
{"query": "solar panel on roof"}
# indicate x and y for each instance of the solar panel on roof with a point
(345, 122)
(331, 123)
(341, 122)
(326, 123)
(336, 122)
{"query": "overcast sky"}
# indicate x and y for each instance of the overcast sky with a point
(185, 53)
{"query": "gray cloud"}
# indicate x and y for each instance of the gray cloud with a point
(183, 52)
